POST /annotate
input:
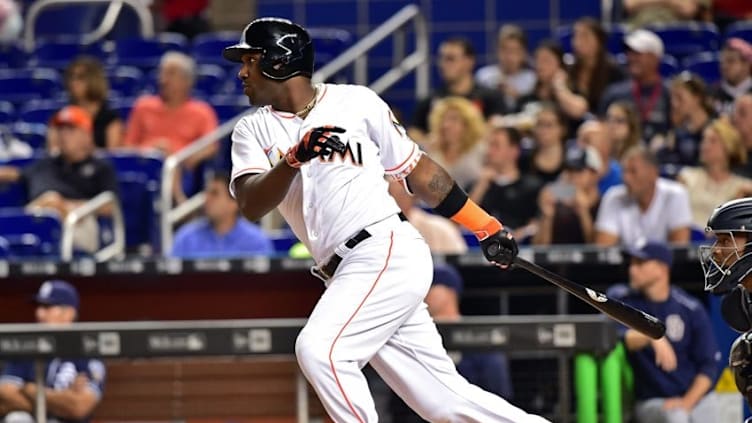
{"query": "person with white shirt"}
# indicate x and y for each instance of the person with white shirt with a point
(644, 207)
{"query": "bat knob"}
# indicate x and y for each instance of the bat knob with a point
(493, 249)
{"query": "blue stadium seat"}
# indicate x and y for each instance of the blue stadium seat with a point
(58, 53)
(17, 87)
(668, 68)
(283, 241)
(12, 56)
(139, 177)
(228, 106)
(686, 39)
(34, 134)
(707, 65)
(30, 235)
(145, 53)
(741, 29)
(125, 81)
(329, 43)
(207, 48)
(123, 106)
(14, 194)
(7, 112)
(39, 111)
(210, 80)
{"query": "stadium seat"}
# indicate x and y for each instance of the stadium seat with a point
(229, 106)
(39, 111)
(34, 134)
(139, 177)
(686, 39)
(58, 53)
(30, 234)
(329, 43)
(125, 81)
(19, 87)
(668, 68)
(12, 56)
(14, 194)
(210, 79)
(123, 106)
(207, 48)
(7, 112)
(707, 65)
(741, 29)
(145, 53)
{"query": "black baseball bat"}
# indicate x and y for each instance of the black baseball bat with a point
(615, 309)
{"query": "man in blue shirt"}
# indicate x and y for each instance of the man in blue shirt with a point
(73, 388)
(674, 375)
(222, 232)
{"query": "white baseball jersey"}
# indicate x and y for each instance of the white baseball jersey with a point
(333, 197)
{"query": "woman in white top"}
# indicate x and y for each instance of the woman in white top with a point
(712, 183)
(456, 127)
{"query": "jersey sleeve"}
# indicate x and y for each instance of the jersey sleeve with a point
(247, 154)
(97, 373)
(399, 154)
(608, 213)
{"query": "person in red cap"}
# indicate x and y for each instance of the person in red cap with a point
(70, 178)
(736, 74)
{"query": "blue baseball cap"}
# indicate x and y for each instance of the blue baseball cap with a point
(57, 292)
(652, 250)
(448, 276)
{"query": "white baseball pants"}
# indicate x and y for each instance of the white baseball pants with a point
(373, 311)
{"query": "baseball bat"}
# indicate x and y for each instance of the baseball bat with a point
(615, 309)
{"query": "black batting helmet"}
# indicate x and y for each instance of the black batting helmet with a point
(725, 266)
(286, 48)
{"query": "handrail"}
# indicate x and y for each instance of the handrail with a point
(144, 16)
(389, 27)
(169, 215)
(108, 22)
(417, 61)
(116, 248)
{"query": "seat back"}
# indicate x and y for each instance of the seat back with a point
(22, 86)
(34, 134)
(686, 39)
(58, 53)
(707, 65)
(30, 235)
(145, 53)
(125, 81)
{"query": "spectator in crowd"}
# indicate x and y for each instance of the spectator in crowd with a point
(736, 74)
(187, 17)
(623, 128)
(693, 111)
(65, 181)
(549, 136)
(73, 388)
(713, 183)
(511, 76)
(651, 12)
(457, 129)
(645, 87)
(593, 69)
(172, 120)
(742, 120)
(554, 86)
(441, 234)
(456, 63)
(644, 207)
(87, 87)
(594, 133)
(223, 232)
(502, 189)
(488, 370)
(568, 206)
(674, 376)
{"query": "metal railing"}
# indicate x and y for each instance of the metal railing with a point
(116, 248)
(108, 21)
(417, 61)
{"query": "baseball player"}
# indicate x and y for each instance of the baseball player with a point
(320, 153)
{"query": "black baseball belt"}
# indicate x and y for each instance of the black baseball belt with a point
(326, 271)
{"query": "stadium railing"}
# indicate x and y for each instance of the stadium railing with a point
(116, 248)
(356, 54)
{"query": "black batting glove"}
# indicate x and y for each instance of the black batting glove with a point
(500, 248)
(316, 142)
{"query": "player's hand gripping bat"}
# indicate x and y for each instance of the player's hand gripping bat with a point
(320, 141)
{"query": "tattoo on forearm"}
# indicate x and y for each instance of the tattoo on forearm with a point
(440, 185)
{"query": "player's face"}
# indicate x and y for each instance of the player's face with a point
(734, 69)
(442, 302)
(55, 315)
(727, 248)
(255, 85)
(644, 273)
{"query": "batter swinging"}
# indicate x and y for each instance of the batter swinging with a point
(320, 154)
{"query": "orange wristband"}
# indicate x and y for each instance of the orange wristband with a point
(475, 219)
